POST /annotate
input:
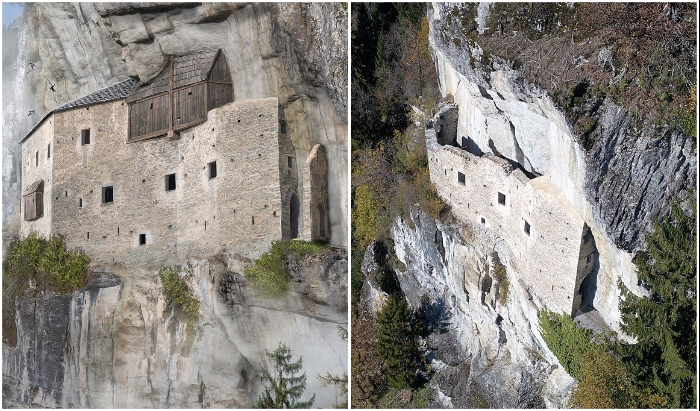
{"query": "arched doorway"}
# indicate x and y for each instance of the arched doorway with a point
(294, 216)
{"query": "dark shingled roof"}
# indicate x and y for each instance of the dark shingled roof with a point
(36, 186)
(113, 92)
(187, 70)
(193, 68)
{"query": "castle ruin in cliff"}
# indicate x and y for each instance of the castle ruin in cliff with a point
(175, 167)
(552, 248)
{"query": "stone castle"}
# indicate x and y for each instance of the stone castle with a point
(141, 173)
(551, 247)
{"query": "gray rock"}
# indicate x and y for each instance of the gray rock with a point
(634, 173)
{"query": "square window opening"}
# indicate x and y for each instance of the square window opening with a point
(212, 170)
(170, 182)
(501, 199)
(526, 228)
(85, 136)
(107, 194)
(460, 177)
(142, 239)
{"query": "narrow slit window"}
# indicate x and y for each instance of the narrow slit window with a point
(117, 230)
(107, 194)
(526, 228)
(252, 220)
(501, 199)
(283, 127)
(85, 136)
(290, 161)
(142, 239)
(483, 220)
(48, 151)
(80, 203)
(88, 235)
(170, 182)
(460, 177)
(36, 161)
(212, 169)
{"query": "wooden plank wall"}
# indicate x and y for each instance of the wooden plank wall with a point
(220, 70)
(149, 116)
(188, 107)
(219, 94)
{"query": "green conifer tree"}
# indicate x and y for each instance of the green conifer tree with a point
(665, 322)
(398, 329)
(282, 388)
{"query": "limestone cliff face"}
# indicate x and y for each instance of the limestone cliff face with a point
(111, 346)
(485, 350)
(295, 52)
(625, 180)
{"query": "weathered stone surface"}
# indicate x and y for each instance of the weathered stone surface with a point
(479, 360)
(240, 210)
(114, 347)
(618, 187)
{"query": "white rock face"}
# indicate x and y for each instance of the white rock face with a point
(506, 355)
(121, 351)
(525, 127)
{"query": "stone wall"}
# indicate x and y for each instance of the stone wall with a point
(31, 173)
(239, 208)
(316, 196)
(491, 194)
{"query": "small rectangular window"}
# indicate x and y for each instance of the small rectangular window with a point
(36, 161)
(170, 182)
(290, 161)
(460, 177)
(212, 169)
(80, 203)
(483, 220)
(107, 194)
(526, 228)
(501, 199)
(48, 151)
(85, 137)
(142, 239)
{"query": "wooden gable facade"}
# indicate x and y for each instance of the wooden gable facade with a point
(180, 96)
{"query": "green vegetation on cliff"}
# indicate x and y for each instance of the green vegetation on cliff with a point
(41, 265)
(269, 275)
(179, 297)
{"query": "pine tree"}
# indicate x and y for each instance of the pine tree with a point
(282, 388)
(665, 322)
(398, 329)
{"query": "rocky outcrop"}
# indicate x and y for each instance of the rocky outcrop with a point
(112, 346)
(618, 186)
(296, 52)
(486, 352)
